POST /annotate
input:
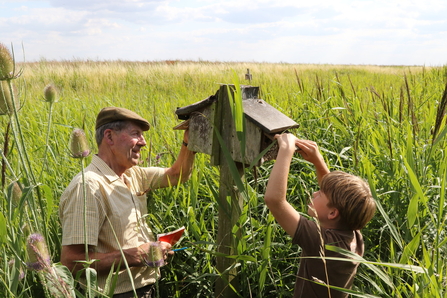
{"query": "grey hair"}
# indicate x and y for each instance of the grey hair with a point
(116, 126)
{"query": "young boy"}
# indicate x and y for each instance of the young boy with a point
(342, 207)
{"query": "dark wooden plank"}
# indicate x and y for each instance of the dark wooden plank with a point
(269, 119)
(183, 113)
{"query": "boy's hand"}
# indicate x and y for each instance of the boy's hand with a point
(307, 149)
(310, 152)
(286, 141)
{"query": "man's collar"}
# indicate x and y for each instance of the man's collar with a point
(104, 168)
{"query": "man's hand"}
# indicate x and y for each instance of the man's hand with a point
(151, 253)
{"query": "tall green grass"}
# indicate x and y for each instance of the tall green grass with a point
(376, 122)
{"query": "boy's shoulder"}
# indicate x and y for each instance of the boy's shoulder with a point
(309, 236)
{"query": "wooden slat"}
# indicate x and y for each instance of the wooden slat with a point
(269, 119)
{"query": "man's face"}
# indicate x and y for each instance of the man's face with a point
(127, 145)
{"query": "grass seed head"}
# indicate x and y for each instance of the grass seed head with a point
(79, 144)
(6, 63)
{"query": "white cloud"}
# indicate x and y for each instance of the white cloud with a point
(321, 31)
(107, 5)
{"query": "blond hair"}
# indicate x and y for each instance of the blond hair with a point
(351, 196)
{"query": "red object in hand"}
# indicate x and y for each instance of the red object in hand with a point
(171, 237)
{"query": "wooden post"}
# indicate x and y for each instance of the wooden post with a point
(230, 206)
(212, 115)
(230, 199)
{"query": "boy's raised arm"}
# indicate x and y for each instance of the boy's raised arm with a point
(275, 194)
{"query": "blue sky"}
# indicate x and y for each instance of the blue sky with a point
(392, 32)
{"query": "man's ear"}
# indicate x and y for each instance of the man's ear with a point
(108, 136)
(333, 214)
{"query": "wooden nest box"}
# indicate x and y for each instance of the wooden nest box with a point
(213, 115)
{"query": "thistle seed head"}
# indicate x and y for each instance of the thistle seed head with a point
(16, 193)
(38, 255)
(6, 63)
(50, 93)
(78, 144)
(6, 106)
(154, 257)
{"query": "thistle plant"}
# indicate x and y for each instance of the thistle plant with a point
(79, 149)
(39, 258)
(56, 281)
(155, 256)
(16, 194)
(6, 106)
(6, 63)
(50, 93)
(9, 104)
(50, 96)
(78, 144)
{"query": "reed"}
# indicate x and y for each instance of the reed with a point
(373, 121)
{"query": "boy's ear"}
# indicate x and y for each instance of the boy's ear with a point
(333, 214)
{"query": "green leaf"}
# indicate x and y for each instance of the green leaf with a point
(111, 280)
(357, 258)
(64, 273)
(237, 111)
(412, 211)
(47, 195)
(91, 279)
(410, 249)
(3, 230)
(231, 164)
(440, 136)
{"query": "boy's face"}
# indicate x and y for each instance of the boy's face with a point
(318, 206)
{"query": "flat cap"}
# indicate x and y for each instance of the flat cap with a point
(111, 114)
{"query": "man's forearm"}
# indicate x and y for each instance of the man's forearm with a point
(115, 259)
(73, 257)
(181, 169)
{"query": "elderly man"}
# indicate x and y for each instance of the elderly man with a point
(115, 204)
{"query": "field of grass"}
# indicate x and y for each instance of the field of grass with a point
(385, 124)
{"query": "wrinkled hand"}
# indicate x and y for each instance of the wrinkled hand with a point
(154, 254)
(166, 247)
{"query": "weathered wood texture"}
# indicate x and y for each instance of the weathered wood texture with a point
(260, 119)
